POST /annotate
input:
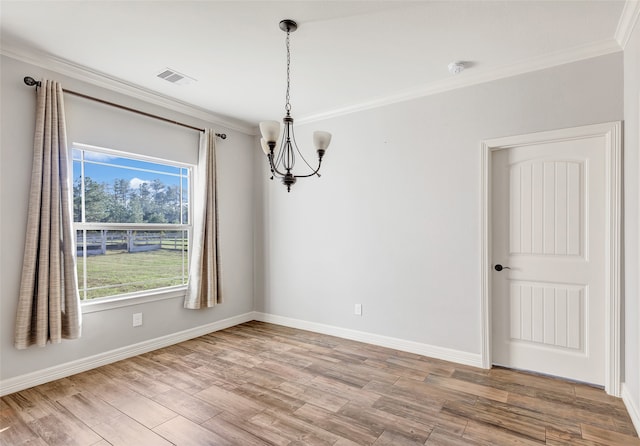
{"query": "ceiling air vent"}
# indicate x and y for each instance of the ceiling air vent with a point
(174, 77)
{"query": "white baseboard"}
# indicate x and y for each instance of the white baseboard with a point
(632, 407)
(460, 357)
(22, 382)
(28, 380)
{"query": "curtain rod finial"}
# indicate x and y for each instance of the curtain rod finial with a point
(31, 81)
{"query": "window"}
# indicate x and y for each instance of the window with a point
(132, 222)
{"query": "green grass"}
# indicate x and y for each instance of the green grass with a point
(123, 272)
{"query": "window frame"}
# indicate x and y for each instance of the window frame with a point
(136, 297)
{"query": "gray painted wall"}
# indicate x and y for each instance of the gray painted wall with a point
(394, 222)
(632, 216)
(91, 123)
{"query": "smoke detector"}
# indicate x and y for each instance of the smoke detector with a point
(171, 75)
(456, 67)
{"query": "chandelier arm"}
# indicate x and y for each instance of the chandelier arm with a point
(273, 172)
(278, 160)
(315, 172)
(290, 157)
(295, 144)
(290, 163)
(274, 168)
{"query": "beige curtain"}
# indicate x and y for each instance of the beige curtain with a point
(204, 287)
(49, 302)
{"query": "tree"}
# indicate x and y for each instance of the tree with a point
(136, 215)
(146, 201)
(152, 202)
(117, 206)
(96, 199)
(172, 204)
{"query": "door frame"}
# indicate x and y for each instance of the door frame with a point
(612, 131)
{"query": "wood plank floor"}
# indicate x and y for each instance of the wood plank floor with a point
(262, 384)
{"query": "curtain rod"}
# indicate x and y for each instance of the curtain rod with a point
(32, 82)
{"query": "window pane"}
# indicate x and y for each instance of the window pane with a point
(112, 188)
(124, 190)
(126, 261)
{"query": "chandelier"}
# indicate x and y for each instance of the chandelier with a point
(283, 160)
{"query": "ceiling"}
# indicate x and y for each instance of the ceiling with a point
(346, 55)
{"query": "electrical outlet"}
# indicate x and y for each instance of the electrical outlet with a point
(137, 319)
(358, 310)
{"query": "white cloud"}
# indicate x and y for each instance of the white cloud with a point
(135, 183)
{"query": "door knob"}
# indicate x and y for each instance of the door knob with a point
(499, 267)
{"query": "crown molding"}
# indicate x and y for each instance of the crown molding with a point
(477, 76)
(628, 20)
(465, 79)
(97, 78)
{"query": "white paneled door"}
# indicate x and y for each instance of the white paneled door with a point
(548, 230)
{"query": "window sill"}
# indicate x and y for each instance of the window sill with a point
(93, 306)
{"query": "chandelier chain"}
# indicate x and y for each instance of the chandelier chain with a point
(287, 105)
